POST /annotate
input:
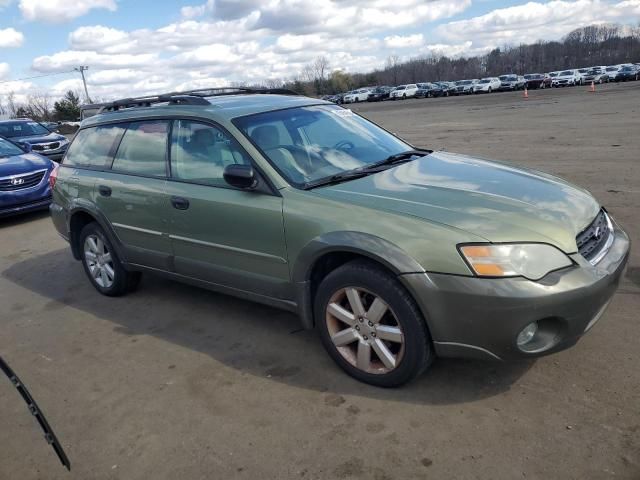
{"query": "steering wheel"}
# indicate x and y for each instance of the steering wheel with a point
(344, 145)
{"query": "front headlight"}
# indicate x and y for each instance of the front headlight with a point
(530, 260)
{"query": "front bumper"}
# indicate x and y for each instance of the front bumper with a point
(30, 206)
(480, 317)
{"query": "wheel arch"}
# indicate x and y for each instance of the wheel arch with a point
(327, 252)
(82, 214)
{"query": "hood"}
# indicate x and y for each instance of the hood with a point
(25, 163)
(50, 137)
(492, 200)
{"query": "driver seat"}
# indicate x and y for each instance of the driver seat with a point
(268, 139)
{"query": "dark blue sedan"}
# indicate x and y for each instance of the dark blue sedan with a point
(24, 179)
(42, 140)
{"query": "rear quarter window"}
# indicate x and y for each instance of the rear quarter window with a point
(92, 147)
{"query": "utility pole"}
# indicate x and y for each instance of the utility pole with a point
(81, 69)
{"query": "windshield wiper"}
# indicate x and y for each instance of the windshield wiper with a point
(397, 158)
(337, 178)
(49, 436)
(367, 170)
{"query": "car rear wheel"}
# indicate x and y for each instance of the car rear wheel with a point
(102, 265)
(371, 326)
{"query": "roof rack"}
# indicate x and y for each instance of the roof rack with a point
(148, 101)
(221, 91)
(189, 97)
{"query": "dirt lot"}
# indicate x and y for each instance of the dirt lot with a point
(175, 382)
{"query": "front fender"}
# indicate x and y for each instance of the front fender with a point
(377, 249)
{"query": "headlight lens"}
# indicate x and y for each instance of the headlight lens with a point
(530, 260)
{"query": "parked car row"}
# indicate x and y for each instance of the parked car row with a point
(507, 82)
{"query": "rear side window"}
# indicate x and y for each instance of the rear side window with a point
(92, 147)
(143, 149)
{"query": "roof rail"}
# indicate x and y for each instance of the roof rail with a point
(189, 97)
(171, 98)
(221, 91)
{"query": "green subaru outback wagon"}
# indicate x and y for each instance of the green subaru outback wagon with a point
(395, 254)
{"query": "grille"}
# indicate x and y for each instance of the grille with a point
(19, 182)
(39, 147)
(595, 238)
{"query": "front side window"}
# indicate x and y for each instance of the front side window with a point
(92, 146)
(201, 152)
(321, 141)
(143, 149)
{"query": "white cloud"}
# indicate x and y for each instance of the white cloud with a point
(400, 41)
(4, 70)
(193, 11)
(96, 37)
(537, 21)
(60, 11)
(5, 3)
(9, 37)
(71, 58)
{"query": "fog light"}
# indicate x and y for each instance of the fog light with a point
(527, 334)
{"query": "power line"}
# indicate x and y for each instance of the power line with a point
(37, 76)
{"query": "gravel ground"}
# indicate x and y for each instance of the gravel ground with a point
(176, 382)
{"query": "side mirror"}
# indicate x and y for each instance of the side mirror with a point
(26, 147)
(240, 176)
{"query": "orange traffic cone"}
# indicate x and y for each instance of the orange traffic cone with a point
(592, 89)
(526, 92)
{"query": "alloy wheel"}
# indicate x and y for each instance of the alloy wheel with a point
(99, 261)
(364, 330)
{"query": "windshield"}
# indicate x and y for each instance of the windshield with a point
(310, 143)
(568, 72)
(485, 80)
(22, 129)
(8, 149)
(612, 69)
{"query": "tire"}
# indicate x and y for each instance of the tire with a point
(110, 279)
(409, 353)
(490, 90)
(404, 96)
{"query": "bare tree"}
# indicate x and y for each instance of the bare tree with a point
(40, 106)
(12, 106)
(393, 67)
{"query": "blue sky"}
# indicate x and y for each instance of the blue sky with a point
(142, 46)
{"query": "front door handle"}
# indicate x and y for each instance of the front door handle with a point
(104, 190)
(180, 203)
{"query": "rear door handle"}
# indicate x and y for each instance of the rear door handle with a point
(104, 190)
(180, 203)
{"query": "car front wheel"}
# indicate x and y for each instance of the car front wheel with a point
(102, 265)
(371, 326)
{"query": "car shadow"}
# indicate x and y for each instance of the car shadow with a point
(249, 337)
(13, 220)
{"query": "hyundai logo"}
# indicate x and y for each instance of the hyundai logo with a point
(17, 181)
